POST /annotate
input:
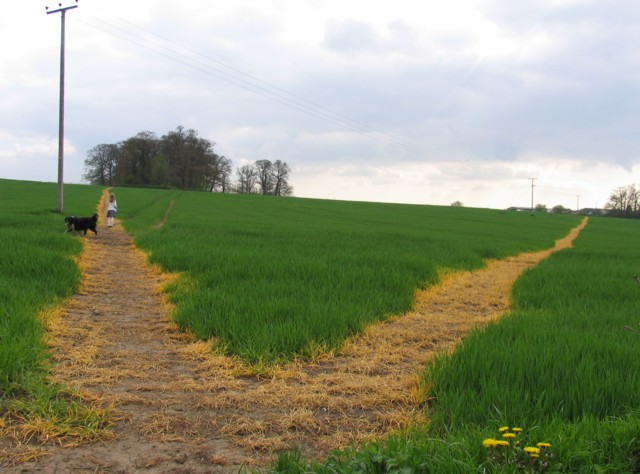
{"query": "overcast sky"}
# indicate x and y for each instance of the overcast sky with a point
(379, 100)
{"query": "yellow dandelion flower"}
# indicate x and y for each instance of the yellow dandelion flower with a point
(543, 445)
(503, 429)
(532, 451)
(500, 442)
(517, 430)
(509, 435)
(489, 443)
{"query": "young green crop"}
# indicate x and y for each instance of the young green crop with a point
(561, 366)
(36, 269)
(37, 272)
(279, 278)
(563, 351)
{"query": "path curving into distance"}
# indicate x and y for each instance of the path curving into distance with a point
(177, 407)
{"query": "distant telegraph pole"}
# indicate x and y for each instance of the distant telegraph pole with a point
(62, 11)
(532, 186)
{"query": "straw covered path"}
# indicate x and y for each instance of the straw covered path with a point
(178, 407)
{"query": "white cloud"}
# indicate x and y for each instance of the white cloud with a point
(402, 101)
(37, 155)
(488, 184)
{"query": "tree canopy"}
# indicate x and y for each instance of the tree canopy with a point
(183, 160)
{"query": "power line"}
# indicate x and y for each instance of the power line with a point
(566, 191)
(252, 77)
(246, 81)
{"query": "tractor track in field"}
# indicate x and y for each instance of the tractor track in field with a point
(177, 407)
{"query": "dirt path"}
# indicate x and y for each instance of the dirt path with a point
(178, 408)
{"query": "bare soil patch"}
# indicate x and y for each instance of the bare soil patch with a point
(179, 407)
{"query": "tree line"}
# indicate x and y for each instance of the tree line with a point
(183, 160)
(625, 202)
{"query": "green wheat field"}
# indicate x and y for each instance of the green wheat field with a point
(273, 279)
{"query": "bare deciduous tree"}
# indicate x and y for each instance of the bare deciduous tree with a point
(625, 201)
(100, 165)
(225, 175)
(265, 176)
(280, 173)
(247, 176)
(219, 173)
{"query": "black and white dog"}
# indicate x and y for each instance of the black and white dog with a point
(82, 223)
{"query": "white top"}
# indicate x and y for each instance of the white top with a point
(113, 206)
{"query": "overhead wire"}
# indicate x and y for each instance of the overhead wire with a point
(171, 50)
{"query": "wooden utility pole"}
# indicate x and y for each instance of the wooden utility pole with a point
(532, 186)
(62, 11)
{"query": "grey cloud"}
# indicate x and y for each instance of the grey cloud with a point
(350, 36)
(578, 97)
(355, 36)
